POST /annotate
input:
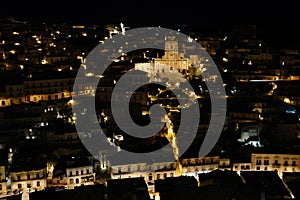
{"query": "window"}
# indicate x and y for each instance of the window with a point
(150, 177)
(77, 173)
(258, 162)
(87, 171)
(257, 168)
(294, 163)
(3, 103)
(266, 162)
(37, 176)
(28, 177)
(70, 173)
(28, 185)
(81, 172)
(157, 176)
(0, 187)
(128, 169)
(38, 183)
(172, 174)
(19, 178)
(77, 180)
(286, 163)
(165, 175)
(71, 181)
(19, 186)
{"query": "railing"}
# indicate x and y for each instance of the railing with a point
(276, 165)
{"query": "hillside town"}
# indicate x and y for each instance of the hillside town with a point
(41, 151)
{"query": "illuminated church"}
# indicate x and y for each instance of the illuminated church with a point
(171, 62)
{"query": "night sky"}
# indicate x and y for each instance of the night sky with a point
(279, 24)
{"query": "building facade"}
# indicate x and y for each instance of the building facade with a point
(75, 176)
(29, 180)
(276, 162)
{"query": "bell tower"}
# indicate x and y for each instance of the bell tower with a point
(171, 48)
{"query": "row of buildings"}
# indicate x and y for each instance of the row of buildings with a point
(73, 172)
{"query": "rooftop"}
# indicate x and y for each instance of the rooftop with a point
(267, 181)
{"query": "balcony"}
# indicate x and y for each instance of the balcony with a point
(276, 165)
